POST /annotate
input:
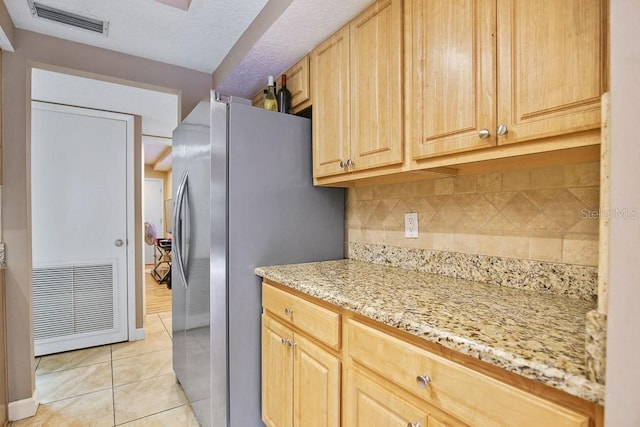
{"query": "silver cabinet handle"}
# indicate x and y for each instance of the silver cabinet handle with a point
(502, 130)
(423, 381)
(288, 311)
(414, 425)
(350, 163)
(342, 164)
(292, 344)
(119, 242)
(284, 340)
(484, 133)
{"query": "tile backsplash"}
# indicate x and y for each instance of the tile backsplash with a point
(544, 214)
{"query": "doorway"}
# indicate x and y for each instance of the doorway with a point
(153, 214)
(156, 112)
(81, 222)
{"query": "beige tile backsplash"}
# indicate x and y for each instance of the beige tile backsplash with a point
(536, 214)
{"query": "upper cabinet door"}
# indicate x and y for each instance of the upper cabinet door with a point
(451, 73)
(551, 61)
(330, 77)
(376, 86)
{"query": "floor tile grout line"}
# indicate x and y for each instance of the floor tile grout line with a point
(70, 368)
(76, 396)
(151, 415)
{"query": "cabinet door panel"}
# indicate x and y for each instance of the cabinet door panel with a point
(368, 404)
(330, 71)
(551, 66)
(376, 86)
(277, 374)
(298, 85)
(453, 77)
(316, 386)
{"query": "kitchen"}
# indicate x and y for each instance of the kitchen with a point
(620, 380)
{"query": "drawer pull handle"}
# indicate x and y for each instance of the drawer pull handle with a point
(423, 381)
(288, 311)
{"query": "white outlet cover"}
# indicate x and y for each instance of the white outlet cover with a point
(411, 225)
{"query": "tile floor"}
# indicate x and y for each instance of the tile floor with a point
(126, 384)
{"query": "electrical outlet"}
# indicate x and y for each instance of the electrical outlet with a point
(411, 225)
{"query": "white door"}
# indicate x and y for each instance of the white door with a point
(153, 211)
(81, 221)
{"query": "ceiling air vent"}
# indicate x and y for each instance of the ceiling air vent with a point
(40, 10)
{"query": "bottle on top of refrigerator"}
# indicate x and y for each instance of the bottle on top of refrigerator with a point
(270, 102)
(284, 97)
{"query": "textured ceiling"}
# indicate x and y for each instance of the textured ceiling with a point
(302, 26)
(197, 39)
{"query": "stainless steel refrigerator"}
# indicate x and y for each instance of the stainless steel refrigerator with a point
(243, 197)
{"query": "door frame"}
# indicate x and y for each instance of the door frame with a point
(132, 333)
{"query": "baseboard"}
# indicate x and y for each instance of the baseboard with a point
(138, 335)
(24, 408)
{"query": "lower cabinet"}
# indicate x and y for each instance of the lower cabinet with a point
(369, 403)
(376, 378)
(300, 380)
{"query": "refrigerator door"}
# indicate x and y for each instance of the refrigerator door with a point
(190, 269)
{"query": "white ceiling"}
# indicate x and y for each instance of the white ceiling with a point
(222, 35)
(198, 39)
(303, 25)
(159, 110)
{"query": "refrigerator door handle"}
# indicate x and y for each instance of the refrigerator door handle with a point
(178, 237)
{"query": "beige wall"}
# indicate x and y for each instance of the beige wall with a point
(539, 214)
(34, 49)
(623, 338)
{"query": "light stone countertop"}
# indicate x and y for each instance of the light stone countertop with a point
(535, 334)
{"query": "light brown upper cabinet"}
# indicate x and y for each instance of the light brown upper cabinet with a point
(297, 83)
(357, 87)
(487, 72)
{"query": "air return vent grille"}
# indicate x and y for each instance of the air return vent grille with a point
(40, 10)
(72, 300)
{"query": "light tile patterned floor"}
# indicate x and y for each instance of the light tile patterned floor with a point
(125, 384)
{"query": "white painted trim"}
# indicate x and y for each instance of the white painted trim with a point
(24, 408)
(131, 233)
(138, 335)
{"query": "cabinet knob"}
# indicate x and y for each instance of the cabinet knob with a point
(284, 341)
(414, 425)
(423, 381)
(292, 343)
(484, 133)
(502, 130)
(350, 163)
(342, 164)
(288, 311)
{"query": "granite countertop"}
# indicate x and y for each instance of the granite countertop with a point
(534, 334)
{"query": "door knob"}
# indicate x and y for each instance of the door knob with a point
(119, 242)
(484, 133)
(502, 130)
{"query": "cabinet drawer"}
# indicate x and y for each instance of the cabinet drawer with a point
(466, 394)
(310, 318)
